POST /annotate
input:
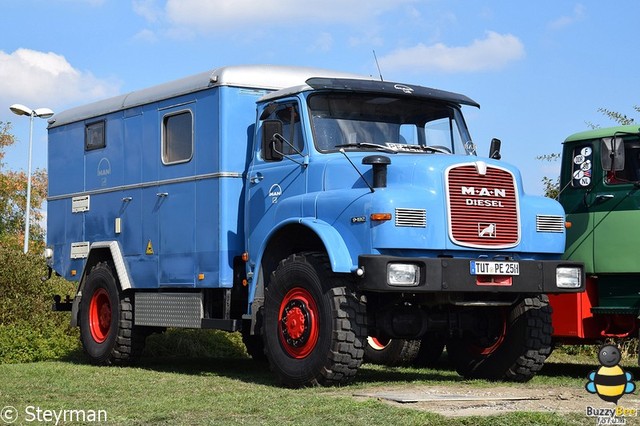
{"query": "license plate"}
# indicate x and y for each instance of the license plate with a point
(494, 268)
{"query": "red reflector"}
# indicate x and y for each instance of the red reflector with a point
(497, 280)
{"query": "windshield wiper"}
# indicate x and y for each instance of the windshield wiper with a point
(440, 149)
(367, 145)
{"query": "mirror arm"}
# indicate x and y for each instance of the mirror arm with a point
(305, 163)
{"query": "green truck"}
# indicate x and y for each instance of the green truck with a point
(600, 192)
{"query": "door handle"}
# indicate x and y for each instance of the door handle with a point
(257, 177)
(603, 197)
(162, 194)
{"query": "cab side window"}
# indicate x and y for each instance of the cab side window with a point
(631, 171)
(288, 114)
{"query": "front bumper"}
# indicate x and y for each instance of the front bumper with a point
(438, 275)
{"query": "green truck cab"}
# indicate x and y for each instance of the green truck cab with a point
(600, 192)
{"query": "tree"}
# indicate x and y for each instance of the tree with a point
(13, 197)
(552, 186)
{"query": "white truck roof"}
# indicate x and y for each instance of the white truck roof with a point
(269, 77)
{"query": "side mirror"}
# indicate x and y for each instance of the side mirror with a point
(612, 154)
(494, 149)
(271, 146)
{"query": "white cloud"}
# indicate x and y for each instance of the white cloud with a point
(565, 21)
(148, 9)
(493, 52)
(47, 79)
(323, 43)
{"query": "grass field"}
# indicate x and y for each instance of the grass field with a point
(237, 390)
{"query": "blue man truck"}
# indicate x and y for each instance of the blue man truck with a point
(307, 209)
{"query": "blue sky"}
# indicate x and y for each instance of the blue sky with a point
(539, 69)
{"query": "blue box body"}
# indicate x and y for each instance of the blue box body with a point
(195, 231)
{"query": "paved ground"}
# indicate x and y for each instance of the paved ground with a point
(469, 400)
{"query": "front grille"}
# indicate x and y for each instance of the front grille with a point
(416, 218)
(549, 223)
(483, 206)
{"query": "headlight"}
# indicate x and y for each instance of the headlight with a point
(402, 274)
(568, 277)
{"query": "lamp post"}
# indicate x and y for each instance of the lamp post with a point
(19, 109)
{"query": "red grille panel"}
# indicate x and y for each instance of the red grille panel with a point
(483, 209)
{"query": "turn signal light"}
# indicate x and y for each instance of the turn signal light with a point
(380, 217)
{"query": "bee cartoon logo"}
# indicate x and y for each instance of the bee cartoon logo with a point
(610, 382)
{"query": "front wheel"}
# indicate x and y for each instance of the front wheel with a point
(515, 347)
(314, 326)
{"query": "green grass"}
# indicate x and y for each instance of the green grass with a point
(205, 377)
(240, 391)
(223, 391)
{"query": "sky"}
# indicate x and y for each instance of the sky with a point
(539, 69)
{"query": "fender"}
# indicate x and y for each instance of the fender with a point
(94, 257)
(118, 261)
(339, 255)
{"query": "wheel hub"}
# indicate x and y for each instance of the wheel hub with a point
(296, 323)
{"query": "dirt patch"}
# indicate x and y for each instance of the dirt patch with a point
(469, 400)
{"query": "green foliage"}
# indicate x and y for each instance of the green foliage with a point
(551, 186)
(618, 117)
(29, 329)
(13, 196)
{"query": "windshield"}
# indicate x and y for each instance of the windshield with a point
(370, 121)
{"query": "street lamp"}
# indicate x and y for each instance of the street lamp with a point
(19, 109)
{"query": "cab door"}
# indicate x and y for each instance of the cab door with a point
(615, 205)
(276, 179)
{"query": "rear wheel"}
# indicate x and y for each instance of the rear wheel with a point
(106, 320)
(314, 326)
(431, 348)
(517, 343)
(391, 352)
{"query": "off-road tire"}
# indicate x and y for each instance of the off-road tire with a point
(107, 332)
(522, 352)
(431, 348)
(391, 352)
(314, 327)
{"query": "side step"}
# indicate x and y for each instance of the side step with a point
(180, 310)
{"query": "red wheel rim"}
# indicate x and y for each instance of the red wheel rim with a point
(378, 343)
(100, 315)
(298, 323)
(499, 339)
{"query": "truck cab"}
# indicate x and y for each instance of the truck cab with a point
(600, 178)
